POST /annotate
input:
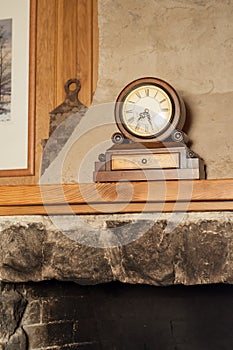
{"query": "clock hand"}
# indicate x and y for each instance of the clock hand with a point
(149, 118)
(141, 116)
(137, 125)
(147, 114)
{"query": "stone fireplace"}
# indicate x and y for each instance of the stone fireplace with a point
(54, 287)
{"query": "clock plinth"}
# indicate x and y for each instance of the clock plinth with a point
(148, 162)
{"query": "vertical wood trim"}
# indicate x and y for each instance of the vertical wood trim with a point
(59, 48)
(66, 52)
(32, 89)
(95, 46)
(46, 72)
(77, 46)
(84, 49)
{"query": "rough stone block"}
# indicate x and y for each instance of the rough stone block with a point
(12, 306)
(33, 313)
(198, 249)
(18, 341)
(66, 259)
(21, 252)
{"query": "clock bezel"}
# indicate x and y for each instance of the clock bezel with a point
(177, 118)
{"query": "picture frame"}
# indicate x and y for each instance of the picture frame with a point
(17, 89)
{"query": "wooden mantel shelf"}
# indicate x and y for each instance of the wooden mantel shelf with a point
(123, 197)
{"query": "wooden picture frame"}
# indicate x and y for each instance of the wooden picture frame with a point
(17, 130)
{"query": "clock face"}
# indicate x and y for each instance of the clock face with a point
(149, 109)
(146, 111)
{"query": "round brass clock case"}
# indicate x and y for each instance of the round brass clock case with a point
(149, 110)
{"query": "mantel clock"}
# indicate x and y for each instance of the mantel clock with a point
(150, 144)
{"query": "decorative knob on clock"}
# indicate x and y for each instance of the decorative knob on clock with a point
(117, 138)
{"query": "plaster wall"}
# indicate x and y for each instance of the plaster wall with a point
(188, 43)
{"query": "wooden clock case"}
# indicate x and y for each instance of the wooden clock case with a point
(163, 156)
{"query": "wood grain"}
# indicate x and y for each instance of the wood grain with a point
(95, 46)
(85, 49)
(150, 161)
(198, 195)
(65, 46)
(116, 208)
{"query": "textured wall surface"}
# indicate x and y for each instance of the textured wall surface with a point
(188, 43)
(122, 248)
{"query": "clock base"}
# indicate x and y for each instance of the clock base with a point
(148, 162)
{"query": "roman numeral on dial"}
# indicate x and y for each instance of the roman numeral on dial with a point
(163, 100)
(131, 119)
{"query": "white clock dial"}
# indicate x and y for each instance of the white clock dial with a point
(147, 111)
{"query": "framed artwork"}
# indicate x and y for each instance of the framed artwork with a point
(17, 86)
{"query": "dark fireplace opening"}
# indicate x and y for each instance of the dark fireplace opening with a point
(56, 315)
